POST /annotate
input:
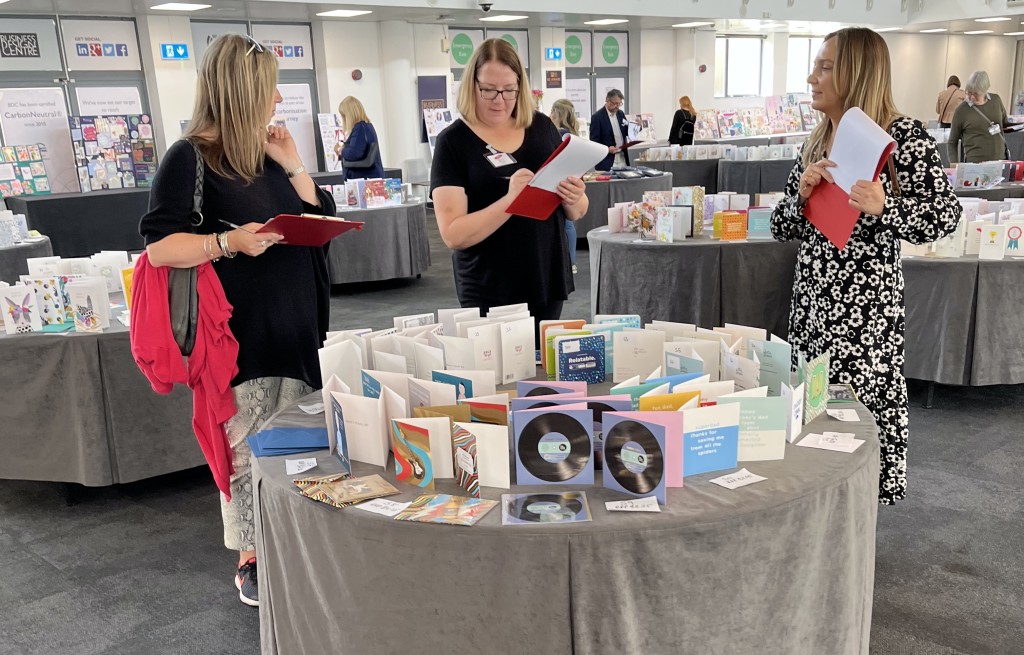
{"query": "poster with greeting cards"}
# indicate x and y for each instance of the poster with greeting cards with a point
(730, 123)
(22, 171)
(641, 128)
(809, 116)
(707, 124)
(436, 120)
(755, 121)
(332, 135)
(113, 152)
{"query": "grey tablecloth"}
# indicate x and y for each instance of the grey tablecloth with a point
(782, 566)
(962, 323)
(603, 195)
(82, 224)
(702, 172)
(752, 177)
(1015, 190)
(392, 244)
(76, 409)
(12, 260)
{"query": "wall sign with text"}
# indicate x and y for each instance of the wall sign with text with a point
(101, 45)
(29, 44)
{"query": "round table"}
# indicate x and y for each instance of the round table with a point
(76, 408)
(962, 326)
(603, 195)
(782, 566)
(12, 259)
(392, 244)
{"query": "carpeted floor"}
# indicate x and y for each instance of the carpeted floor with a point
(140, 569)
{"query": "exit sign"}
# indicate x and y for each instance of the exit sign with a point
(173, 51)
(553, 54)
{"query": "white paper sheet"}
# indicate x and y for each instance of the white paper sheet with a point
(857, 148)
(578, 157)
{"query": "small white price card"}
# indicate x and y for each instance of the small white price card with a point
(740, 478)
(295, 466)
(848, 415)
(649, 504)
(313, 408)
(382, 506)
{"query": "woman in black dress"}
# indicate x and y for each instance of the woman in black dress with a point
(481, 163)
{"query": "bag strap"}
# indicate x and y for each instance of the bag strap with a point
(895, 181)
(950, 98)
(195, 219)
(982, 114)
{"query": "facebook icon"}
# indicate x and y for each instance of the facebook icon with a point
(122, 49)
(82, 49)
(298, 51)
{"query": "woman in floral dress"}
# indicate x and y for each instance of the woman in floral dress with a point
(849, 302)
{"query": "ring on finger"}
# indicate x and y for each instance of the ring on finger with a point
(264, 243)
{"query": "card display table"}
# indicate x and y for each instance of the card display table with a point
(751, 177)
(13, 259)
(77, 409)
(790, 559)
(82, 224)
(603, 195)
(697, 172)
(999, 192)
(392, 244)
(337, 177)
(963, 324)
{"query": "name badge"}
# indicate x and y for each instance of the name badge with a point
(499, 159)
(994, 129)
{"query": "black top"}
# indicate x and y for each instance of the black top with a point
(281, 299)
(524, 260)
(681, 132)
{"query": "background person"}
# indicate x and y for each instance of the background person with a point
(681, 132)
(978, 123)
(563, 115)
(608, 126)
(849, 303)
(360, 141)
(280, 294)
(948, 100)
(481, 163)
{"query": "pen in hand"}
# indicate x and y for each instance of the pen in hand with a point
(237, 227)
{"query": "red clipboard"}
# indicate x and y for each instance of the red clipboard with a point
(829, 210)
(308, 229)
(629, 144)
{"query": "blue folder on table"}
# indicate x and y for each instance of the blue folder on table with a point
(287, 441)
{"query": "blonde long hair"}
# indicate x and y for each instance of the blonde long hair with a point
(234, 93)
(862, 77)
(502, 52)
(685, 104)
(563, 115)
(352, 112)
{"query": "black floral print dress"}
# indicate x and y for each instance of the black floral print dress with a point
(850, 302)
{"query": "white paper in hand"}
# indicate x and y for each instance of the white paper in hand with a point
(578, 157)
(295, 466)
(857, 149)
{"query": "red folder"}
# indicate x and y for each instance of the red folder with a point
(829, 210)
(537, 203)
(308, 229)
(629, 144)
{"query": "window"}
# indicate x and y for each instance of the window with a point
(736, 74)
(800, 61)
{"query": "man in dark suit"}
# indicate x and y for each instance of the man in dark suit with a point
(609, 127)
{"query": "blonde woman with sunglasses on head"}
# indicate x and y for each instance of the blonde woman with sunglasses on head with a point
(849, 303)
(280, 294)
(481, 163)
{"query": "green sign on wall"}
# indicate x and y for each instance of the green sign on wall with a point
(610, 50)
(573, 49)
(510, 39)
(462, 49)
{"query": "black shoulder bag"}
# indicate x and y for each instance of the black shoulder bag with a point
(366, 162)
(181, 282)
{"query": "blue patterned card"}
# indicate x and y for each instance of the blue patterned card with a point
(581, 359)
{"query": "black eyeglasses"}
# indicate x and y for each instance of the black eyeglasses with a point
(491, 94)
(256, 45)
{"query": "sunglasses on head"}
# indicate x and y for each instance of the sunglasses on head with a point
(256, 45)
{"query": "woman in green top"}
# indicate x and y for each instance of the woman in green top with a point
(978, 124)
